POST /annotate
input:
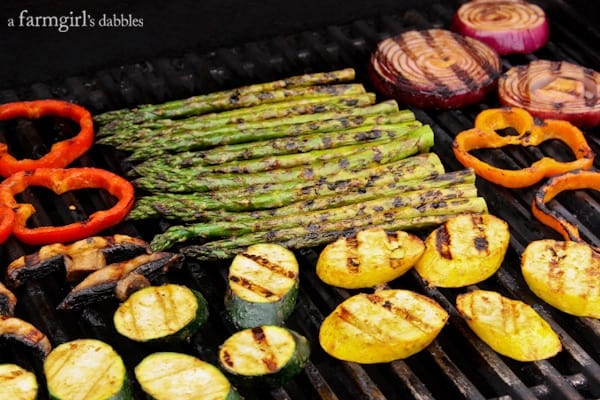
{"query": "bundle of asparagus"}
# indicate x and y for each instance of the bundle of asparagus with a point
(298, 161)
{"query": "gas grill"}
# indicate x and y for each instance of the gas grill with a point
(457, 364)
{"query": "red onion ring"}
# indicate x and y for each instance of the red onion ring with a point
(434, 68)
(507, 26)
(553, 89)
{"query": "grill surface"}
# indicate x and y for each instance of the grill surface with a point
(457, 364)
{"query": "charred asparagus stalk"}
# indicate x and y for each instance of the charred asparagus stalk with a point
(256, 197)
(404, 218)
(399, 132)
(199, 140)
(299, 110)
(345, 166)
(199, 104)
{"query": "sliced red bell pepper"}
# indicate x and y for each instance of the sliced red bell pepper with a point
(61, 153)
(62, 180)
(7, 221)
(531, 132)
(574, 180)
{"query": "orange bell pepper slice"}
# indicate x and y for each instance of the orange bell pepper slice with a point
(61, 153)
(7, 221)
(530, 132)
(62, 180)
(573, 180)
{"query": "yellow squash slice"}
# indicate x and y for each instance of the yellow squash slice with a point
(370, 258)
(565, 275)
(465, 250)
(381, 327)
(510, 327)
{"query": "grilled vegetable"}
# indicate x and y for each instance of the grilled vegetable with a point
(8, 301)
(86, 369)
(381, 327)
(574, 180)
(510, 327)
(263, 286)
(165, 313)
(61, 153)
(17, 383)
(464, 250)
(234, 98)
(7, 221)
(78, 259)
(564, 275)
(263, 356)
(370, 258)
(434, 68)
(169, 376)
(25, 333)
(507, 26)
(553, 89)
(530, 132)
(62, 180)
(121, 279)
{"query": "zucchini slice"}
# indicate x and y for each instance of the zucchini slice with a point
(17, 383)
(170, 375)
(263, 286)
(86, 369)
(264, 356)
(165, 313)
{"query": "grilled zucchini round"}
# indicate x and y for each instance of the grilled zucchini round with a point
(17, 383)
(86, 369)
(263, 286)
(166, 313)
(266, 356)
(169, 376)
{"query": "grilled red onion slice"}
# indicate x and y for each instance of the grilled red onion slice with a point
(434, 68)
(553, 89)
(507, 26)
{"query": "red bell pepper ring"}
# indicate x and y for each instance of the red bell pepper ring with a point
(61, 153)
(7, 221)
(62, 180)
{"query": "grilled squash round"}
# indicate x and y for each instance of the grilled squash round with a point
(16, 383)
(510, 327)
(370, 258)
(464, 250)
(381, 327)
(564, 275)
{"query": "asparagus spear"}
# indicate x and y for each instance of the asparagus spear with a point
(320, 233)
(300, 109)
(183, 107)
(187, 209)
(245, 224)
(336, 145)
(203, 140)
(256, 197)
(344, 166)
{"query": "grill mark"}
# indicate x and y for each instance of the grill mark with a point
(491, 71)
(442, 242)
(266, 263)
(251, 286)
(268, 359)
(352, 262)
(398, 310)
(440, 86)
(590, 96)
(481, 241)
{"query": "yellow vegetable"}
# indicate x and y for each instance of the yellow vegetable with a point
(565, 275)
(370, 258)
(510, 327)
(464, 250)
(381, 327)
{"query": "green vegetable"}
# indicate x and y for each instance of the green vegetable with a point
(263, 356)
(86, 369)
(167, 313)
(263, 286)
(170, 376)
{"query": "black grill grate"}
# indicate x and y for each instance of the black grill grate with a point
(457, 364)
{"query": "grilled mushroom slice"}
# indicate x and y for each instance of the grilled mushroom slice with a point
(8, 301)
(23, 332)
(118, 280)
(78, 258)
